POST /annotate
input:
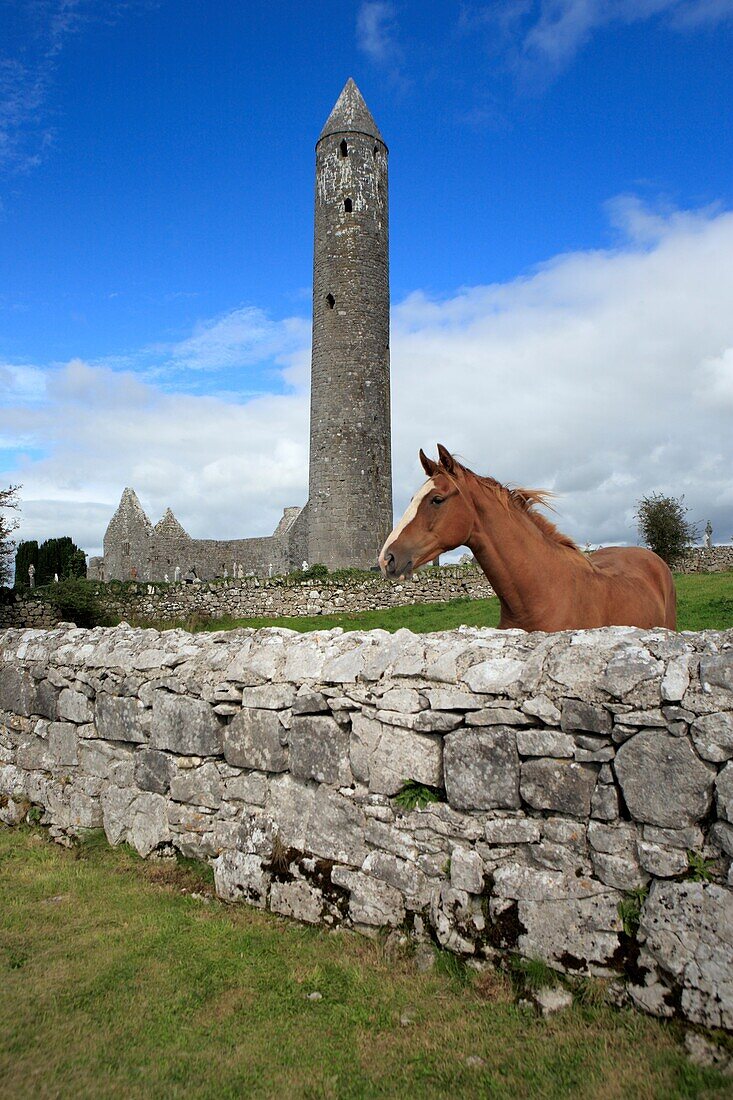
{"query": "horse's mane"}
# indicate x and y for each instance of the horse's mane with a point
(527, 501)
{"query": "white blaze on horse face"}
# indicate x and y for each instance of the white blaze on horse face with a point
(408, 517)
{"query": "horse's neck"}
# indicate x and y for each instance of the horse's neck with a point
(518, 559)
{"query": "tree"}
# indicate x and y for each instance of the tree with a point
(8, 502)
(25, 555)
(59, 557)
(663, 525)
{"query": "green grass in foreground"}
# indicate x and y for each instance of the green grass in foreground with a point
(117, 983)
(704, 602)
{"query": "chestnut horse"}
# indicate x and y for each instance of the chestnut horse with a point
(542, 579)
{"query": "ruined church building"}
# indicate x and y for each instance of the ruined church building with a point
(349, 508)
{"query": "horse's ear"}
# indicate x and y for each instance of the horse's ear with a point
(446, 459)
(427, 464)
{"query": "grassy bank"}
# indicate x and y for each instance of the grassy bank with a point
(117, 982)
(704, 601)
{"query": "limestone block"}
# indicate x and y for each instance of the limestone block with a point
(495, 676)
(290, 804)
(108, 761)
(310, 702)
(199, 786)
(153, 771)
(543, 708)
(304, 661)
(577, 715)
(269, 696)
(254, 739)
(686, 929)
(344, 667)
(457, 918)
(497, 716)
(723, 792)
(427, 721)
(541, 742)
(404, 700)
(17, 691)
(319, 749)
(240, 877)
(686, 839)
(247, 787)
(716, 673)
(120, 719)
(676, 679)
(298, 899)
(620, 871)
(712, 735)
(46, 702)
(512, 830)
(372, 902)
(631, 666)
(663, 780)
(386, 757)
(148, 823)
(63, 742)
(721, 837)
(482, 769)
(466, 870)
(567, 921)
(452, 698)
(335, 829)
(380, 834)
(604, 803)
(34, 753)
(116, 803)
(662, 862)
(561, 785)
(578, 664)
(403, 874)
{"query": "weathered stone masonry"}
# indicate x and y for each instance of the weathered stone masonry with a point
(573, 768)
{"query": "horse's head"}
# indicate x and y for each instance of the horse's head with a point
(438, 518)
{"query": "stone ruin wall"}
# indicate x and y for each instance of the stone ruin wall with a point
(570, 769)
(276, 596)
(253, 596)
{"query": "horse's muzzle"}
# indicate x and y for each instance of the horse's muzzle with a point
(393, 569)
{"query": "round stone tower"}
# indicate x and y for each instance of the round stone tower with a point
(349, 510)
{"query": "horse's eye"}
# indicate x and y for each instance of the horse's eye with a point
(437, 500)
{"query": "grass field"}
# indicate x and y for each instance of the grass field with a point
(704, 601)
(116, 982)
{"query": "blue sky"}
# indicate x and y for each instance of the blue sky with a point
(561, 188)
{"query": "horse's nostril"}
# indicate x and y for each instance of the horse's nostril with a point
(389, 562)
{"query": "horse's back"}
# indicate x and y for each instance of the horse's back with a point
(641, 577)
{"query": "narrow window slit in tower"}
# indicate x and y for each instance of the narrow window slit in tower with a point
(344, 149)
(348, 206)
(330, 301)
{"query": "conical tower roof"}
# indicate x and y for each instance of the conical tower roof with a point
(351, 115)
(169, 526)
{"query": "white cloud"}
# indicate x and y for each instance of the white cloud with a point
(547, 34)
(604, 375)
(375, 31)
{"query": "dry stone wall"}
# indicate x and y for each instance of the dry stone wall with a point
(253, 596)
(569, 771)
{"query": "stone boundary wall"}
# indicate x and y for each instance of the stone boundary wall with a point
(255, 596)
(569, 770)
(278, 596)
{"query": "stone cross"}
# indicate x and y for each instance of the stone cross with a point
(32, 575)
(708, 535)
(177, 574)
